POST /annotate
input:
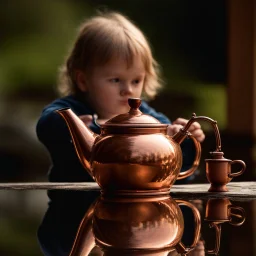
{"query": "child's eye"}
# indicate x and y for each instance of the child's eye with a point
(114, 80)
(136, 81)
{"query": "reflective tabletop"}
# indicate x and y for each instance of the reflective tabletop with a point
(38, 219)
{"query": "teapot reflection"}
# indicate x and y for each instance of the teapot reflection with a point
(137, 226)
(82, 223)
(220, 211)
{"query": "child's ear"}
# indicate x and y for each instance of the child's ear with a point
(81, 80)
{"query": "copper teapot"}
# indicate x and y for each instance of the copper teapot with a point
(133, 153)
(137, 226)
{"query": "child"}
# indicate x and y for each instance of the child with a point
(110, 62)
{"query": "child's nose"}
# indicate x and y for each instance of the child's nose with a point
(126, 89)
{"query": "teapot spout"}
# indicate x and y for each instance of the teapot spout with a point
(82, 137)
(183, 132)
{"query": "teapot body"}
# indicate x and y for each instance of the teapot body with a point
(130, 162)
(133, 154)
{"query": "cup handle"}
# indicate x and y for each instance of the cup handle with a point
(237, 215)
(232, 175)
(180, 247)
(196, 162)
(217, 227)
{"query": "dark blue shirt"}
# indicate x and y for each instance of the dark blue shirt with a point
(53, 132)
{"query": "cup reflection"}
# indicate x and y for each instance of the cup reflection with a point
(220, 211)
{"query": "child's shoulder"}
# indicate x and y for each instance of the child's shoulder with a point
(50, 120)
(64, 102)
(70, 101)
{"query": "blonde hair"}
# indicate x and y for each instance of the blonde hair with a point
(102, 38)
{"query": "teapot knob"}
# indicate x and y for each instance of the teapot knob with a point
(134, 103)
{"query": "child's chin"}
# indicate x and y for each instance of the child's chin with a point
(124, 110)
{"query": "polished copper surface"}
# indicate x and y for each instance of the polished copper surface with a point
(218, 171)
(219, 211)
(132, 154)
(136, 226)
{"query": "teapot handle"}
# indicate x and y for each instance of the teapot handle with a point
(196, 162)
(180, 247)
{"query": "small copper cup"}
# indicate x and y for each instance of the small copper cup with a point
(218, 171)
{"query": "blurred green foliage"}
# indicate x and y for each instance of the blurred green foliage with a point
(35, 39)
(210, 100)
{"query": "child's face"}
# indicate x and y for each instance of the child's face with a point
(109, 86)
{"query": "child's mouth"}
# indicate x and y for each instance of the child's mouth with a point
(124, 102)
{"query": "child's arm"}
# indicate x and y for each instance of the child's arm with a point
(53, 132)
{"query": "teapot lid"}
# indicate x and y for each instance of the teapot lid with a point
(134, 118)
